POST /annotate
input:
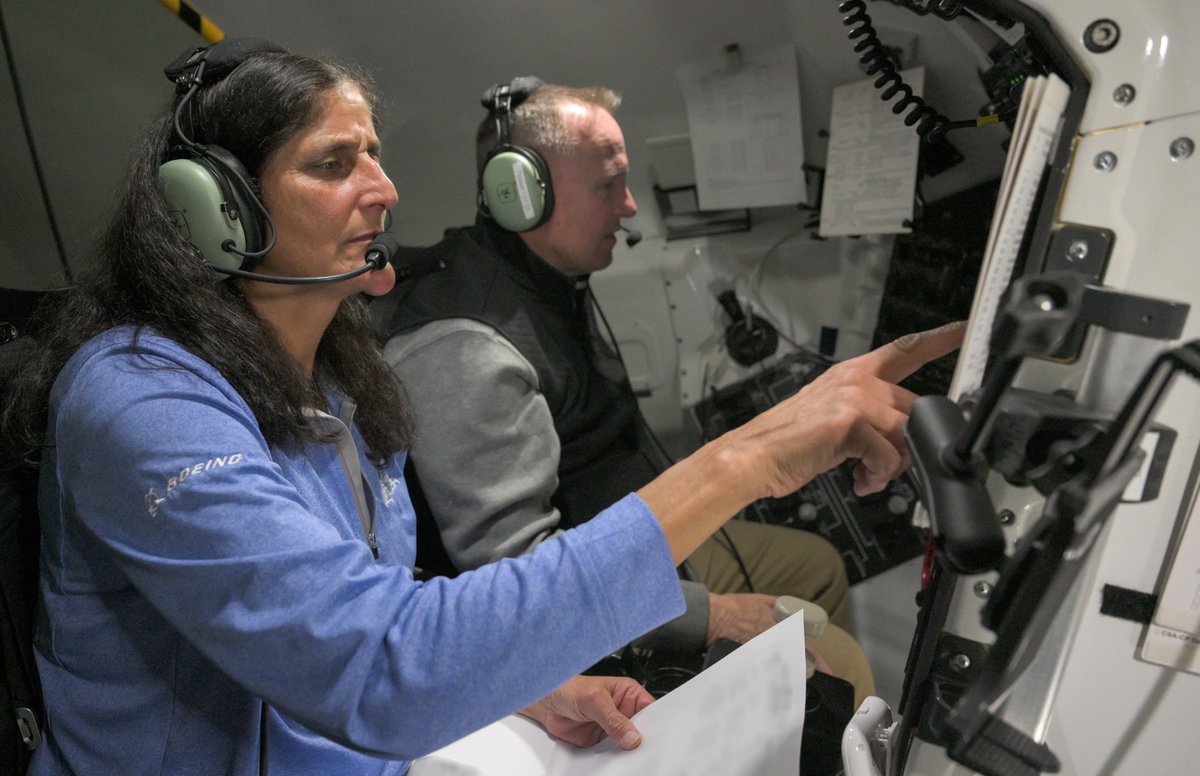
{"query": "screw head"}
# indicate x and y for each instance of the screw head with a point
(1077, 251)
(1124, 94)
(960, 661)
(1182, 148)
(982, 589)
(1006, 516)
(1101, 35)
(1105, 161)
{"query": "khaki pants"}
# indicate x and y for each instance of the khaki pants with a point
(787, 561)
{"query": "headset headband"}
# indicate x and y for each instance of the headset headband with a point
(501, 99)
(209, 64)
(196, 67)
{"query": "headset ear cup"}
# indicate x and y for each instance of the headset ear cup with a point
(244, 199)
(515, 189)
(209, 199)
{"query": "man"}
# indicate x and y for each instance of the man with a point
(527, 423)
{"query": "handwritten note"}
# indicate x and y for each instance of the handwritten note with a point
(871, 172)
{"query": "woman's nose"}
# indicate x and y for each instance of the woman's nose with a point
(381, 190)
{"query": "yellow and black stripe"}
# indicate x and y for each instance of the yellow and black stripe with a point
(194, 19)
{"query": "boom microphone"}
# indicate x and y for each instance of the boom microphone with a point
(632, 236)
(378, 253)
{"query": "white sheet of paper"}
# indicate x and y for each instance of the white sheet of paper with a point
(1171, 648)
(743, 716)
(1173, 636)
(514, 746)
(1179, 604)
(871, 170)
(1038, 119)
(744, 121)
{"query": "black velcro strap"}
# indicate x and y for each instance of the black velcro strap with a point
(220, 58)
(518, 89)
(1128, 604)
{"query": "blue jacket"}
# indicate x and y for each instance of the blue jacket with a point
(189, 569)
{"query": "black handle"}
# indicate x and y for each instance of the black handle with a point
(966, 531)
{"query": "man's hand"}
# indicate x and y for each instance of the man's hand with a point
(739, 616)
(587, 708)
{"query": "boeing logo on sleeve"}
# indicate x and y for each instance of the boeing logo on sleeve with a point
(152, 500)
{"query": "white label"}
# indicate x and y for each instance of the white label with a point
(522, 189)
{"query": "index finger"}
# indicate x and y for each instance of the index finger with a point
(901, 357)
(630, 697)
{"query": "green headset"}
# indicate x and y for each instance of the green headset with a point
(208, 191)
(514, 181)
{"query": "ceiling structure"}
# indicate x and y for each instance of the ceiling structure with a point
(90, 74)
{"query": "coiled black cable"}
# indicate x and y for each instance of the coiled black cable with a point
(943, 9)
(930, 124)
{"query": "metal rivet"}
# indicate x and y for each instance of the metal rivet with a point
(1124, 94)
(1101, 35)
(1181, 148)
(1105, 161)
(1077, 251)
(960, 661)
(982, 589)
(1006, 516)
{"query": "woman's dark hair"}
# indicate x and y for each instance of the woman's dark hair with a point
(145, 274)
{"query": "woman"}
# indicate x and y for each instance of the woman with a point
(224, 520)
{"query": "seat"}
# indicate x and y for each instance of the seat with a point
(21, 712)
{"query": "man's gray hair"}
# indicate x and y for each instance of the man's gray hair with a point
(537, 122)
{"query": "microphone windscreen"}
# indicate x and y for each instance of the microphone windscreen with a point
(632, 236)
(381, 251)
